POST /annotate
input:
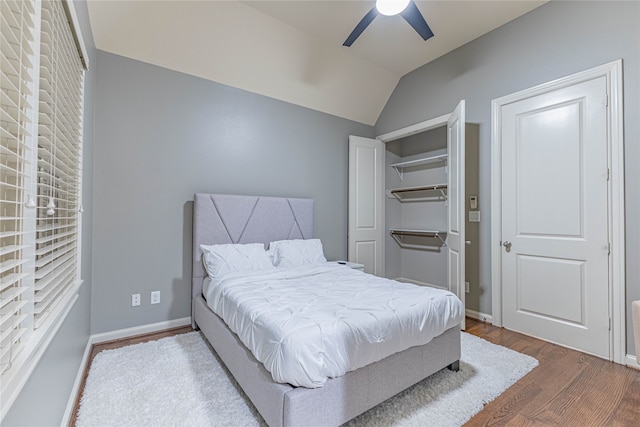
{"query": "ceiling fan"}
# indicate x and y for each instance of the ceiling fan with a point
(408, 10)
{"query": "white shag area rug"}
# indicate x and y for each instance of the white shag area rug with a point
(179, 381)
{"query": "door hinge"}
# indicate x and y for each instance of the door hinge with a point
(609, 248)
(609, 323)
(608, 174)
(606, 101)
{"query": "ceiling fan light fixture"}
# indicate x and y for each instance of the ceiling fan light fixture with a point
(391, 7)
(408, 10)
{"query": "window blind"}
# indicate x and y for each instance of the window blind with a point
(59, 154)
(17, 54)
(41, 103)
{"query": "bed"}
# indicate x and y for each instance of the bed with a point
(224, 219)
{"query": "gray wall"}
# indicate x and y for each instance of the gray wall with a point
(160, 137)
(52, 381)
(553, 41)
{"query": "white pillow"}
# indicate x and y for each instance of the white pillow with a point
(222, 259)
(294, 253)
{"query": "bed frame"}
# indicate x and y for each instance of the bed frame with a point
(221, 219)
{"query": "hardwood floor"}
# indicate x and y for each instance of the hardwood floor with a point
(567, 388)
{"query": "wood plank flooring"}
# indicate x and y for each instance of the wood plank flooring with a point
(568, 388)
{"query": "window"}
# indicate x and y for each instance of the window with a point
(41, 104)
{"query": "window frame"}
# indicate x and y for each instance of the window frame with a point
(37, 340)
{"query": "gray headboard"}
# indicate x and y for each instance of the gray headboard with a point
(227, 218)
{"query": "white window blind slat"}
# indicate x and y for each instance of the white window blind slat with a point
(54, 271)
(10, 233)
(48, 244)
(8, 310)
(53, 256)
(11, 170)
(10, 293)
(13, 333)
(60, 255)
(10, 336)
(56, 283)
(44, 228)
(10, 281)
(7, 266)
(49, 301)
(12, 327)
(10, 249)
(53, 231)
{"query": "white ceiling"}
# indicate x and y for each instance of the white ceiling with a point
(292, 50)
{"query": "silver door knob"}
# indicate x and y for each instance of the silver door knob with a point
(507, 245)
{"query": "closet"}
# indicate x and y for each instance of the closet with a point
(416, 208)
(407, 204)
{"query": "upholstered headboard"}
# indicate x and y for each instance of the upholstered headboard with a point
(226, 218)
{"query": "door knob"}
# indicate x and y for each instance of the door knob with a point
(507, 245)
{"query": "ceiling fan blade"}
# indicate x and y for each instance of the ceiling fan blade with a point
(413, 16)
(364, 23)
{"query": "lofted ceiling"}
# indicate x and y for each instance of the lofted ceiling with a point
(292, 50)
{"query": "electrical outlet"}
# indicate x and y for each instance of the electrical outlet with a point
(155, 297)
(135, 300)
(466, 287)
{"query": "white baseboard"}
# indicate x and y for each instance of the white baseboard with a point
(110, 336)
(479, 316)
(140, 330)
(76, 385)
(632, 362)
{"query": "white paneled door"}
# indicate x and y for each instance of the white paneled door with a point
(366, 203)
(555, 245)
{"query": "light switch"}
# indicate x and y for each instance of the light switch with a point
(474, 216)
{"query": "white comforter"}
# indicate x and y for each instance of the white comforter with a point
(311, 323)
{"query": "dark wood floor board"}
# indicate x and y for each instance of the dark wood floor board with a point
(512, 404)
(627, 412)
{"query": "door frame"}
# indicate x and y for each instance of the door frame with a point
(444, 120)
(616, 226)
